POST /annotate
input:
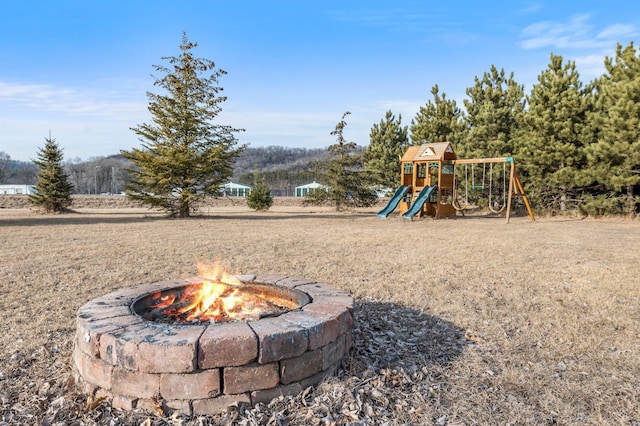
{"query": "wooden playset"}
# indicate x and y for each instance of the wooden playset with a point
(428, 184)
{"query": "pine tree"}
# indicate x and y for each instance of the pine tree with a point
(552, 135)
(53, 189)
(495, 103)
(185, 156)
(388, 142)
(614, 159)
(438, 121)
(260, 197)
(341, 176)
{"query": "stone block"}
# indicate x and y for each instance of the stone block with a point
(172, 351)
(296, 369)
(321, 328)
(333, 352)
(279, 339)
(269, 279)
(203, 407)
(316, 290)
(198, 385)
(120, 347)
(94, 371)
(250, 377)
(88, 333)
(134, 384)
(343, 314)
(227, 344)
(266, 395)
(293, 282)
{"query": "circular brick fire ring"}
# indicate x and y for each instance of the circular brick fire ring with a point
(203, 368)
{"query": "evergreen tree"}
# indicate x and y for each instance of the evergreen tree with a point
(343, 180)
(438, 121)
(388, 142)
(185, 156)
(53, 189)
(495, 103)
(614, 159)
(550, 142)
(260, 196)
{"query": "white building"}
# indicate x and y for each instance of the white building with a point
(15, 189)
(303, 190)
(236, 190)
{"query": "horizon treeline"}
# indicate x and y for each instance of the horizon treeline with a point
(284, 168)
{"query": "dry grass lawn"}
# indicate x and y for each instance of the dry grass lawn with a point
(459, 321)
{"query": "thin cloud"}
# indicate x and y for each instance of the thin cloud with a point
(427, 26)
(573, 34)
(392, 19)
(590, 66)
(617, 31)
(530, 9)
(72, 101)
(577, 33)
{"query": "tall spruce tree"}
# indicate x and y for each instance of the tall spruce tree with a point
(614, 158)
(53, 189)
(552, 135)
(495, 103)
(185, 155)
(388, 142)
(342, 176)
(438, 121)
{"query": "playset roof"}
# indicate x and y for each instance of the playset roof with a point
(428, 151)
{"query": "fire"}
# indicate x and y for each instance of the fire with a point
(214, 296)
(216, 273)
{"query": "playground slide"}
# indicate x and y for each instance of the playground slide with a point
(393, 202)
(418, 202)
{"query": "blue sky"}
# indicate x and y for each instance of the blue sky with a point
(81, 68)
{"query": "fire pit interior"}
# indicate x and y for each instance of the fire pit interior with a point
(217, 301)
(197, 350)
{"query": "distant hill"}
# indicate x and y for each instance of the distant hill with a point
(277, 158)
(17, 172)
(282, 168)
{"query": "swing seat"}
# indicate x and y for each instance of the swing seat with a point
(456, 205)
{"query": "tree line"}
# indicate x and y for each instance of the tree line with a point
(283, 168)
(576, 145)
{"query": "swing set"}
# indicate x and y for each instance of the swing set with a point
(429, 185)
(475, 183)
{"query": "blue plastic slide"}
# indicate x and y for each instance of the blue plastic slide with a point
(418, 202)
(393, 202)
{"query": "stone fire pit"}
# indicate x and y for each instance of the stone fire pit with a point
(202, 368)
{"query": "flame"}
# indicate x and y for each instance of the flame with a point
(215, 296)
(216, 273)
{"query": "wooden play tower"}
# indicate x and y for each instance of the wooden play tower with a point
(428, 183)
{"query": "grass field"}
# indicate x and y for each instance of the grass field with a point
(459, 321)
